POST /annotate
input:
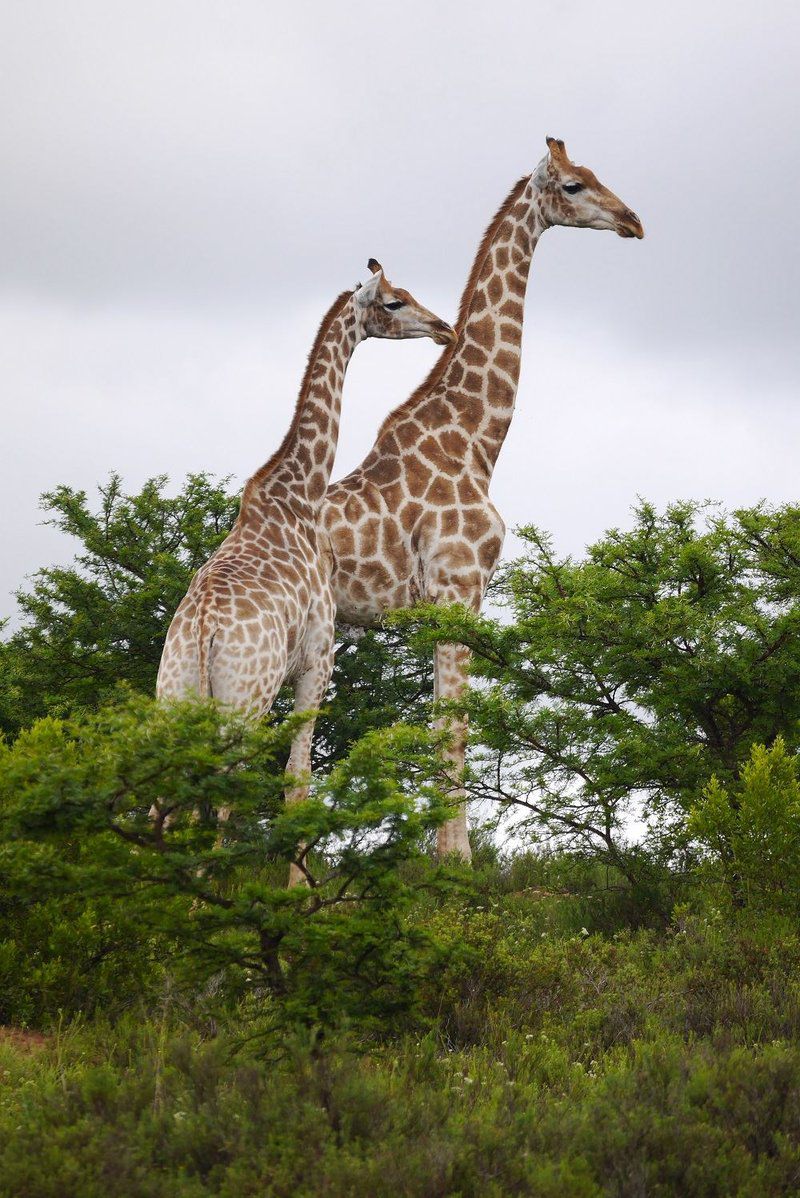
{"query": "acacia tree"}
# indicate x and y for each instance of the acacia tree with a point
(622, 682)
(379, 678)
(88, 626)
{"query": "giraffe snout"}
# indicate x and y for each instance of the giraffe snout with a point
(443, 333)
(629, 225)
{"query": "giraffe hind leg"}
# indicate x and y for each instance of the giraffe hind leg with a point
(309, 691)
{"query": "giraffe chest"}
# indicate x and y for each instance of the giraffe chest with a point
(372, 567)
(387, 549)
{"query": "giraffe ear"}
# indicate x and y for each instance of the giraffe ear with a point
(543, 171)
(375, 266)
(366, 295)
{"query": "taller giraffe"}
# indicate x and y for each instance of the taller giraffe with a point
(261, 610)
(414, 521)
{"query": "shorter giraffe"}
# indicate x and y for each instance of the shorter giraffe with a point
(261, 611)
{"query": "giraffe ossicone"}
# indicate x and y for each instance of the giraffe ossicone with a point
(260, 612)
(414, 521)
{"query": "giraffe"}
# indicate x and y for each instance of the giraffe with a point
(414, 522)
(260, 611)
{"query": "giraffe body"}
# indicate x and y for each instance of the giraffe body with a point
(415, 521)
(257, 614)
(261, 612)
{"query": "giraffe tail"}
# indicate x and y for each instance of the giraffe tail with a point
(203, 650)
(205, 633)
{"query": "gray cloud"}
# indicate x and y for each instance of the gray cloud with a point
(186, 185)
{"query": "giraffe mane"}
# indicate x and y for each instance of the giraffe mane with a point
(326, 322)
(440, 366)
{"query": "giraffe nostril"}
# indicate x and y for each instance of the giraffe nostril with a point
(444, 333)
(630, 225)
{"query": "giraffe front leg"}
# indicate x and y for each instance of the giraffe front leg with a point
(449, 682)
(309, 691)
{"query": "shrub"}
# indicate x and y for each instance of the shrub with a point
(120, 809)
(750, 831)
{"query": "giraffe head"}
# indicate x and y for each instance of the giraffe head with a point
(573, 195)
(388, 311)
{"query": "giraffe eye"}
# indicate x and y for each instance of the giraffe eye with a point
(573, 188)
(394, 305)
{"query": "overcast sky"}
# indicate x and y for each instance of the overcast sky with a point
(187, 185)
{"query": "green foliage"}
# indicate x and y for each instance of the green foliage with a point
(87, 627)
(378, 679)
(123, 804)
(649, 1064)
(751, 831)
(621, 683)
(71, 955)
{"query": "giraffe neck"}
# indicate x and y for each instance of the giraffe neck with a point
(479, 375)
(298, 473)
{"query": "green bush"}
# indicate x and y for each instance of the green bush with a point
(751, 831)
(646, 1065)
(115, 815)
(73, 956)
